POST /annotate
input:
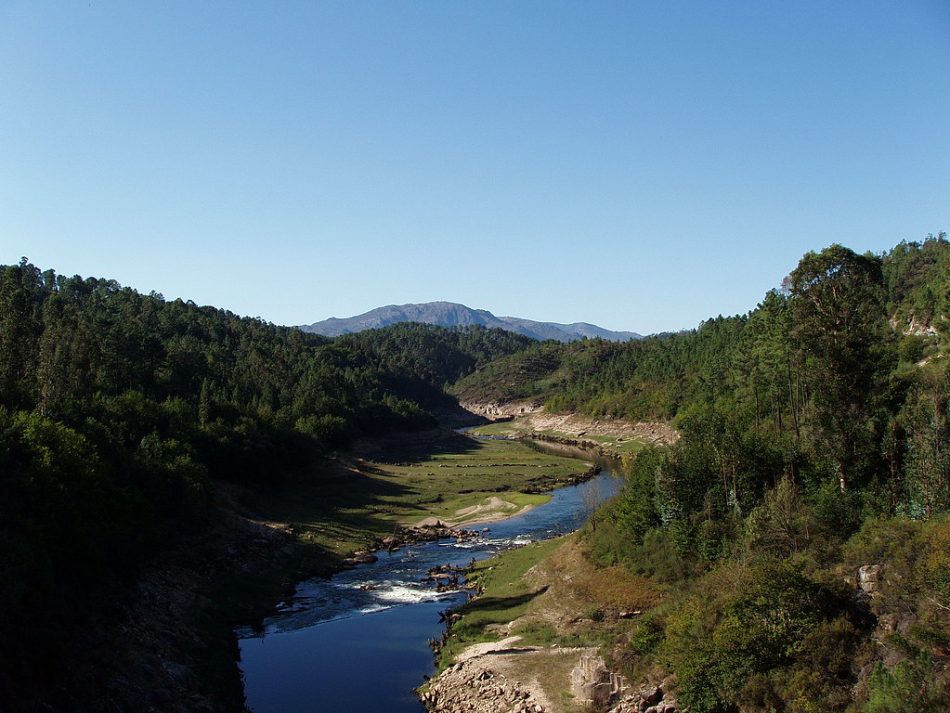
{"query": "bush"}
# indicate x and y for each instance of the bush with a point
(663, 556)
(721, 643)
(896, 691)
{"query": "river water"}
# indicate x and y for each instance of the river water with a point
(359, 640)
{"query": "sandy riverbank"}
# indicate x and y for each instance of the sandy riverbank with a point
(492, 509)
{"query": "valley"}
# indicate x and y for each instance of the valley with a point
(777, 539)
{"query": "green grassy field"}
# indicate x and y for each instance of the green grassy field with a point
(505, 597)
(343, 504)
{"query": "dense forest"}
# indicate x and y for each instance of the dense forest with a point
(752, 356)
(815, 440)
(119, 412)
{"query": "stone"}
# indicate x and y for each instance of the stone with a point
(652, 696)
(869, 578)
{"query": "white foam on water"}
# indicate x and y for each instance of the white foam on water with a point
(518, 541)
(375, 608)
(405, 593)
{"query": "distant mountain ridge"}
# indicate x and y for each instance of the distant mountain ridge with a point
(451, 314)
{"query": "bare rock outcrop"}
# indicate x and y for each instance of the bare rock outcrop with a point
(647, 699)
(592, 683)
(596, 686)
(496, 410)
(869, 578)
(470, 687)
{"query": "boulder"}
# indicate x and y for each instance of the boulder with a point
(869, 578)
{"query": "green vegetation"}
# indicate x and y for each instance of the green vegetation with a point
(122, 415)
(815, 440)
(523, 428)
(752, 356)
(798, 464)
(355, 499)
(505, 597)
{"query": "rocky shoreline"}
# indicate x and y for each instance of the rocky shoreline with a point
(536, 419)
(470, 688)
(486, 679)
(510, 675)
(407, 536)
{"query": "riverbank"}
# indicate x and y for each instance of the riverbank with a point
(604, 437)
(388, 484)
(171, 645)
(535, 638)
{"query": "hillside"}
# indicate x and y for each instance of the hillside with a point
(656, 377)
(450, 314)
(124, 418)
(794, 539)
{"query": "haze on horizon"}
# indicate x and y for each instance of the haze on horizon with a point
(638, 166)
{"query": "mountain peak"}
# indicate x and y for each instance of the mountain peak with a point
(452, 314)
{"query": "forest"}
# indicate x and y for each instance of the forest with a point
(120, 412)
(814, 441)
(815, 438)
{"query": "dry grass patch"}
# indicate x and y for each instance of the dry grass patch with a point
(613, 588)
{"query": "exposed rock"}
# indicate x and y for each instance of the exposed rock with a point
(532, 419)
(426, 532)
(592, 683)
(499, 411)
(360, 558)
(868, 578)
(469, 687)
(646, 699)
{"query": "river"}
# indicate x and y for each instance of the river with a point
(359, 640)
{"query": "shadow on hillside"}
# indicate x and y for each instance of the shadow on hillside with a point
(342, 497)
(497, 604)
(416, 447)
(451, 415)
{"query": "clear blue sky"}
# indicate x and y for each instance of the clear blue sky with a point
(641, 165)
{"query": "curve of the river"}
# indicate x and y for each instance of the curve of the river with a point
(359, 640)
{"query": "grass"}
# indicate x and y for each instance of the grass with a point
(505, 597)
(344, 504)
(575, 590)
(499, 428)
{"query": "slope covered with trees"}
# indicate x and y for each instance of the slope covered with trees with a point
(119, 413)
(755, 357)
(815, 434)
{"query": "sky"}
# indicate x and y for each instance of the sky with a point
(639, 165)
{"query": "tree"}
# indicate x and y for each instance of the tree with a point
(839, 325)
(928, 457)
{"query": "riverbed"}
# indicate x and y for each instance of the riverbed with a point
(359, 640)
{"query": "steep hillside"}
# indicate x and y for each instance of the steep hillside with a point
(123, 418)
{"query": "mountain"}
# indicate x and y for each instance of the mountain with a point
(450, 314)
